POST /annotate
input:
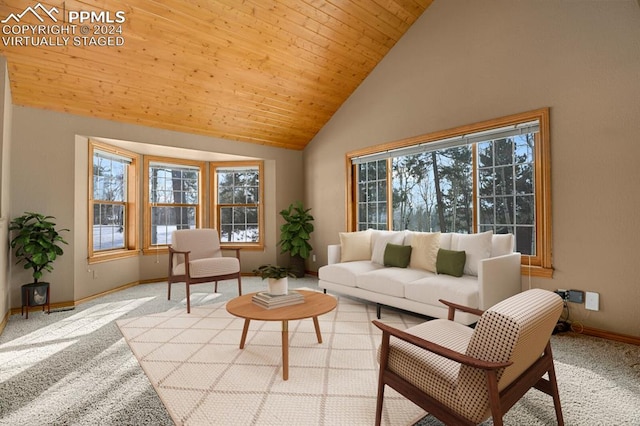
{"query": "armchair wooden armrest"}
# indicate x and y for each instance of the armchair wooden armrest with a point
(453, 307)
(388, 331)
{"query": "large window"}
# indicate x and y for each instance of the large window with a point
(173, 198)
(238, 205)
(112, 199)
(488, 176)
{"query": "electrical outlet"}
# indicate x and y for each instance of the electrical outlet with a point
(313, 257)
(592, 301)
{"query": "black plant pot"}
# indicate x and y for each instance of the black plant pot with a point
(35, 293)
(297, 266)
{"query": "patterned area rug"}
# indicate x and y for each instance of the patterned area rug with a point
(203, 378)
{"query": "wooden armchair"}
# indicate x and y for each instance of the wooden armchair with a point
(195, 257)
(463, 376)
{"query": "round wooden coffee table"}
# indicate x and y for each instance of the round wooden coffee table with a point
(315, 304)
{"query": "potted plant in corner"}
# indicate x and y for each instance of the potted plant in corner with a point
(37, 245)
(277, 275)
(295, 234)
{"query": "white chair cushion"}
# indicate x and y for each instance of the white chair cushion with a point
(201, 243)
(209, 267)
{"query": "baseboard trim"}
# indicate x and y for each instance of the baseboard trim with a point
(74, 303)
(5, 320)
(624, 338)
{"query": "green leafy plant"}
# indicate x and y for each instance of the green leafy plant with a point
(272, 271)
(37, 242)
(296, 232)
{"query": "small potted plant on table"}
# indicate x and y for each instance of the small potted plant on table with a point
(278, 283)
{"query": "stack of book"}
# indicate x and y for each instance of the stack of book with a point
(271, 301)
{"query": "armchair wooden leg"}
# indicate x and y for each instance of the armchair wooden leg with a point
(188, 298)
(215, 287)
(169, 291)
(379, 403)
(384, 359)
(239, 286)
(554, 388)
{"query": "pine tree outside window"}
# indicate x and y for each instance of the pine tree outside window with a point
(238, 205)
(112, 201)
(490, 176)
(173, 193)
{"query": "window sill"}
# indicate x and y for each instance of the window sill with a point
(536, 271)
(112, 255)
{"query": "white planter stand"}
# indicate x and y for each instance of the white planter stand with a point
(278, 286)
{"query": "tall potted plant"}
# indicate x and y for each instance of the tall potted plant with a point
(37, 245)
(295, 234)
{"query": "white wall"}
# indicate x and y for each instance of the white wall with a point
(468, 61)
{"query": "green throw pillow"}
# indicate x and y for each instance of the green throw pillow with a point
(397, 255)
(451, 262)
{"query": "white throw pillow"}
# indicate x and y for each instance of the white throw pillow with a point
(477, 247)
(355, 246)
(424, 250)
(501, 244)
(380, 244)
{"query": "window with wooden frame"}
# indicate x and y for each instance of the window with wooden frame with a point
(237, 203)
(173, 199)
(493, 175)
(113, 230)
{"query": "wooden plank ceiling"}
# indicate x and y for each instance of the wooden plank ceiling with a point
(267, 72)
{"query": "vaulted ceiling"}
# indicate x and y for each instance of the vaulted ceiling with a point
(270, 72)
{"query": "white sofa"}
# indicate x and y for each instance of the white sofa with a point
(491, 270)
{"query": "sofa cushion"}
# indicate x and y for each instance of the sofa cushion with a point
(462, 290)
(477, 246)
(397, 255)
(424, 250)
(379, 241)
(355, 246)
(346, 273)
(445, 240)
(390, 281)
(450, 262)
(501, 244)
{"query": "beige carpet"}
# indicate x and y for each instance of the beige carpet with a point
(203, 378)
